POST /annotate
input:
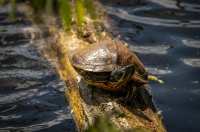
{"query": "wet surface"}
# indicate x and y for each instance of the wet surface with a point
(31, 94)
(167, 38)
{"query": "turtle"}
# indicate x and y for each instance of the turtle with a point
(110, 65)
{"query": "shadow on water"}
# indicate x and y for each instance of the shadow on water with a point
(167, 36)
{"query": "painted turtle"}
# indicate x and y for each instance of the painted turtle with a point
(109, 65)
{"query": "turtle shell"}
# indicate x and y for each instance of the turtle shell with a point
(99, 58)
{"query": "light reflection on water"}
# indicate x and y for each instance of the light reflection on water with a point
(123, 14)
(191, 43)
(168, 42)
(194, 62)
(31, 94)
(160, 49)
(176, 4)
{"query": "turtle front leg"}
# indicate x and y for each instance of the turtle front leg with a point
(130, 95)
(146, 98)
(92, 92)
(139, 97)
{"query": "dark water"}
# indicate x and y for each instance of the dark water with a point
(167, 36)
(31, 94)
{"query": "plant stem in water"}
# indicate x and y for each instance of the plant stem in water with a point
(12, 13)
(65, 13)
(80, 12)
(49, 7)
(89, 5)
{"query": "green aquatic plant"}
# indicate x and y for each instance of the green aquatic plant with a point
(89, 5)
(102, 124)
(38, 5)
(2, 2)
(66, 9)
(65, 13)
(12, 13)
(80, 12)
(49, 7)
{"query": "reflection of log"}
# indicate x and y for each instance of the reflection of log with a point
(87, 104)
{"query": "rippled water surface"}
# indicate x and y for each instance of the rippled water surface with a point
(166, 36)
(31, 94)
(164, 33)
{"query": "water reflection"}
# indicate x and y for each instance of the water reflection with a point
(178, 4)
(162, 49)
(159, 71)
(168, 44)
(59, 117)
(191, 43)
(155, 21)
(166, 3)
(31, 95)
(194, 62)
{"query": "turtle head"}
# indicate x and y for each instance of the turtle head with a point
(122, 74)
(112, 81)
